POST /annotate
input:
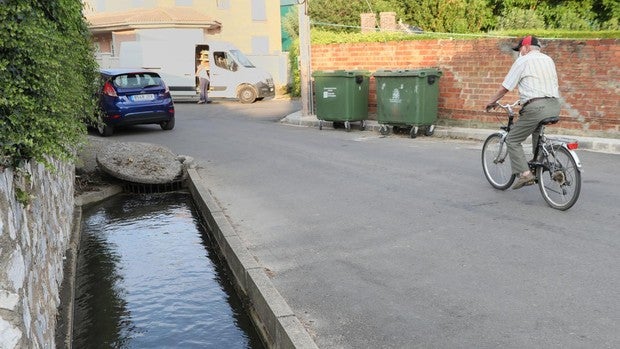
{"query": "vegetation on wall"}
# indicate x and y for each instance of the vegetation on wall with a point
(472, 16)
(47, 75)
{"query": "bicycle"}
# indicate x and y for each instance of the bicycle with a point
(555, 164)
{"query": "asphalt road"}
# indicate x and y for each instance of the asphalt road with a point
(392, 242)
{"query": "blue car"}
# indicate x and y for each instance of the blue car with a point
(131, 97)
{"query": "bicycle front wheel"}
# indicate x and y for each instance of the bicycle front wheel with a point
(495, 162)
(560, 180)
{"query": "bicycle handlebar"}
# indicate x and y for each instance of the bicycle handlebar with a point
(509, 106)
(506, 107)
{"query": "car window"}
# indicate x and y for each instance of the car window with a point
(137, 80)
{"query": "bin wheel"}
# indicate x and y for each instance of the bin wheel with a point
(430, 130)
(362, 125)
(320, 124)
(347, 126)
(384, 130)
(414, 132)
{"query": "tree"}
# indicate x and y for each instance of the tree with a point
(470, 16)
(344, 15)
(453, 16)
(607, 13)
(557, 14)
(457, 16)
(516, 18)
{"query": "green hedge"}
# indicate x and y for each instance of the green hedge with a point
(47, 74)
(331, 37)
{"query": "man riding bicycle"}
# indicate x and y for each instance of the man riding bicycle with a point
(536, 78)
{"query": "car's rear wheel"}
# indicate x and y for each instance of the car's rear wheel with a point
(167, 125)
(104, 129)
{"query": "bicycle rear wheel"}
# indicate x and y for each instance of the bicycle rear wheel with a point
(560, 180)
(495, 162)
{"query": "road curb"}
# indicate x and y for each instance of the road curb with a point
(598, 144)
(275, 320)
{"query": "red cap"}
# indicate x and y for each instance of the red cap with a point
(528, 40)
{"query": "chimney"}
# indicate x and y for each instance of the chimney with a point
(369, 22)
(387, 21)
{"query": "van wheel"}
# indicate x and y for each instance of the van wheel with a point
(246, 95)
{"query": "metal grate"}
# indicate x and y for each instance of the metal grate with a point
(143, 188)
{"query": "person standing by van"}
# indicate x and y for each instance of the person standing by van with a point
(202, 72)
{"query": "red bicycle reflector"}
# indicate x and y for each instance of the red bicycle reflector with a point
(572, 145)
(109, 90)
(115, 116)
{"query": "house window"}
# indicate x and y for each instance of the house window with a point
(259, 11)
(183, 2)
(260, 45)
(223, 4)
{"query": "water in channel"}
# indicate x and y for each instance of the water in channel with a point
(148, 277)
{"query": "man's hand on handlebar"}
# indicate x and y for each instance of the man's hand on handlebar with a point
(491, 106)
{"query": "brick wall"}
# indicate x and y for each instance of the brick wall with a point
(474, 69)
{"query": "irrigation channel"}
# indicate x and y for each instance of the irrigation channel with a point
(148, 276)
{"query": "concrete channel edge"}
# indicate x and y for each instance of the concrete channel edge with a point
(274, 318)
(597, 144)
(64, 325)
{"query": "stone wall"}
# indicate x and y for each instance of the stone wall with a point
(33, 242)
(473, 70)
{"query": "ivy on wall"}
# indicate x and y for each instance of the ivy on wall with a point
(47, 80)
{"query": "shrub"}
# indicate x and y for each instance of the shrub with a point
(516, 18)
(47, 74)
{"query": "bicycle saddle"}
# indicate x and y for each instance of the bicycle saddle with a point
(549, 121)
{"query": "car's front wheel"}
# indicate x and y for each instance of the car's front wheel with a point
(167, 125)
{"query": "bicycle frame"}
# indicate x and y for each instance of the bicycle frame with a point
(543, 140)
(505, 129)
(546, 145)
(555, 164)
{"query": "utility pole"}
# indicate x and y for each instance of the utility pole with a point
(304, 57)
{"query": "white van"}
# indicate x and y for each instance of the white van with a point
(232, 74)
(177, 56)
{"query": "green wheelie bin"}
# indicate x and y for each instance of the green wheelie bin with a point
(341, 97)
(407, 98)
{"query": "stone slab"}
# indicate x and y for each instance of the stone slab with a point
(143, 163)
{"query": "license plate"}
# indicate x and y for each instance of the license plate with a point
(142, 98)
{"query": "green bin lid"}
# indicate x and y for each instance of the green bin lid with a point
(343, 73)
(408, 72)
